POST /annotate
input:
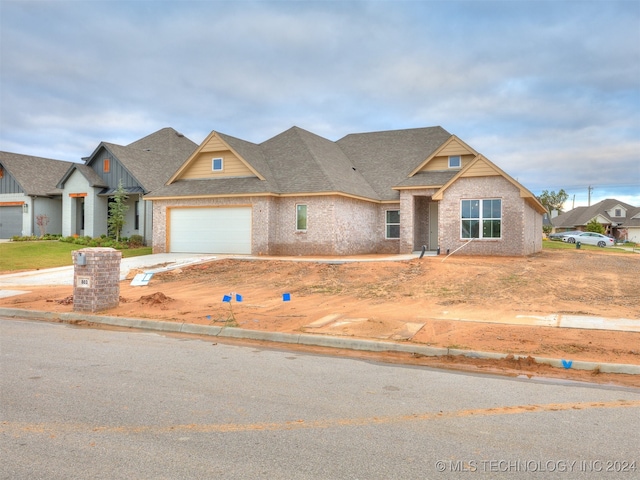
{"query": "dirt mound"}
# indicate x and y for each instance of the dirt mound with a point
(157, 298)
(65, 301)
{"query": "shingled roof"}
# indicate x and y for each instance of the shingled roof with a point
(387, 158)
(150, 160)
(36, 176)
(366, 165)
(581, 216)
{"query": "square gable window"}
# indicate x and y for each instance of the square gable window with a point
(217, 164)
(455, 161)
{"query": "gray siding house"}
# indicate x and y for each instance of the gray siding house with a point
(140, 167)
(381, 192)
(28, 191)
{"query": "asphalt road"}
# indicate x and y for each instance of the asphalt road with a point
(79, 403)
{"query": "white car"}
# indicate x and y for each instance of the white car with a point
(589, 238)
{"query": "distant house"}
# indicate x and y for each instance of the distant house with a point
(382, 192)
(140, 167)
(27, 191)
(619, 219)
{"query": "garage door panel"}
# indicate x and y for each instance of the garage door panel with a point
(210, 230)
(10, 221)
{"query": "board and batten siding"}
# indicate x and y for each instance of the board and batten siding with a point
(116, 172)
(8, 184)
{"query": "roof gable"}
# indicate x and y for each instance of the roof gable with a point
(92, 178)
(438, 160)
(145, 164)
(199, 164)
(36, 176)
(481, 166)
(611, 211)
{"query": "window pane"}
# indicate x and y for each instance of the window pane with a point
(471, 209)
(393, 216)
(491, 208)
(454, 161)
(301, 217)
(393, 231)
(491, 229)
(470, 229)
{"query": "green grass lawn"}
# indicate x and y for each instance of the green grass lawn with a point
(46, 254)
(555, 245)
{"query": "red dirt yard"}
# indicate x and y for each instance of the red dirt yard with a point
(420, 301)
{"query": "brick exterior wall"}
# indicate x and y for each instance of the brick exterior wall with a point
(96, 285)
(339, 225)
(414, 219)
(335, 226)
(520, 223)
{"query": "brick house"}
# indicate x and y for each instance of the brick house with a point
(381, 192)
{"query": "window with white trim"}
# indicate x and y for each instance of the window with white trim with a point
(392, 224)
(217, 164)
(455, 161)
(481, 218)
(301, 217)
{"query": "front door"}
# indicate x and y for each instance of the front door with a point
(433, 225)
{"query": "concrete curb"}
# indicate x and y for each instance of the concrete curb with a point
(308, 339)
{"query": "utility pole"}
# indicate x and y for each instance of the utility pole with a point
(590, 188)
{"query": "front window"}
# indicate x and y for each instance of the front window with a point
(481, 218)
(301, 217)
(392, 222)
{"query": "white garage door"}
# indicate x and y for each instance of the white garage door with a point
(10, 222)
(210, 230)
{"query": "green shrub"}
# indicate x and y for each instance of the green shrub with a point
(136, 241)
(18, 238)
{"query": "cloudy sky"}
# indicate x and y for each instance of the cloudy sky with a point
(548, 90)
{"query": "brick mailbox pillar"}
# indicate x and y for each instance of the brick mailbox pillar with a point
(96, 279)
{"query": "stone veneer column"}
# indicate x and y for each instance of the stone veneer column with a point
(96, 279)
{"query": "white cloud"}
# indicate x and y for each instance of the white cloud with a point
(550, 91)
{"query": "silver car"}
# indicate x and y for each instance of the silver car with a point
(589, 238)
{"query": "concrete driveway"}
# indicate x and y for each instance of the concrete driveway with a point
(64, 275)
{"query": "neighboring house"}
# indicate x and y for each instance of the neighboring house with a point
(620, 220)
(385, 192)
(141, 166)
(27, 191)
